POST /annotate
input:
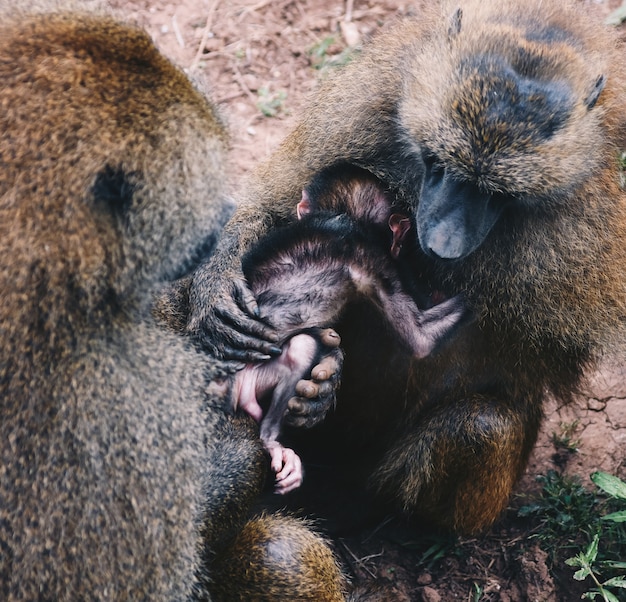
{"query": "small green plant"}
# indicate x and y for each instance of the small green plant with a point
(271, 103)
(565, 438)
(321, 59)
(476, 593)
(318, 53)
(441, 546)
(566, 511)
(588, 562)
(432, 547)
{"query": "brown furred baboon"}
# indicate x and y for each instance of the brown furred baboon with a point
(123, 474)
(498, 124)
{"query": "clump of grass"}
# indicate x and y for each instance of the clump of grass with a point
(589, 524)
(566, 437)
(271, 103)
(590, 563)
(322, 58)
(566, 513)
(430, 546)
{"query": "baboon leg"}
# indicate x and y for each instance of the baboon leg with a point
(277, 558)
(267, 558)
(459, 466)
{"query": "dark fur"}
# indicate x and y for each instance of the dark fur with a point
(306, 275)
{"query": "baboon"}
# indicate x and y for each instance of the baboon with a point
(123, 474)
(497, 124)
(303, 277)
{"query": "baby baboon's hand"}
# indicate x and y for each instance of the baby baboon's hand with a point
(287, 466)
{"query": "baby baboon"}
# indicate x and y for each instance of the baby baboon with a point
(122, 476)
(303, 277)
(498, 124)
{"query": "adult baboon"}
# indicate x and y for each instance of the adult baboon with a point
(123, 476)
(498, 123)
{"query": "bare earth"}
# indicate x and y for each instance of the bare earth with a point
(261, 58)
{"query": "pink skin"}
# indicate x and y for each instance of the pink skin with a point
(284, 461)
(287, 466)
(399, 224)
(250, 384)
(278, 378)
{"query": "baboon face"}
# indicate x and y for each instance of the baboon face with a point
(508, 102)
(120, 149)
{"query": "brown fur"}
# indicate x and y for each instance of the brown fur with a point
(278, 545)
(122, 474)
(546, 284)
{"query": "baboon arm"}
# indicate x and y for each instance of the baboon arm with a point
(222, 308)
(223, 314)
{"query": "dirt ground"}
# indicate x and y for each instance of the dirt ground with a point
(260, 60)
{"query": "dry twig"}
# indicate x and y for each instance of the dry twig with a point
(205, 35)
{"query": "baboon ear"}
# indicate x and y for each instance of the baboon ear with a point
(304, 206)
(455, 23)
(113, 189)
(593, 96)
(399, 224)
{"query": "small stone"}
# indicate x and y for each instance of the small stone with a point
(430, 595)
(596, 405)
(425, 579)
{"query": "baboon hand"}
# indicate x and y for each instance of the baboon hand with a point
(287, 467)
(315, 397)
(224, 318)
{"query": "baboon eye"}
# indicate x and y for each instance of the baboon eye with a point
(593, 96)
(432, 163)
(114, 189)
